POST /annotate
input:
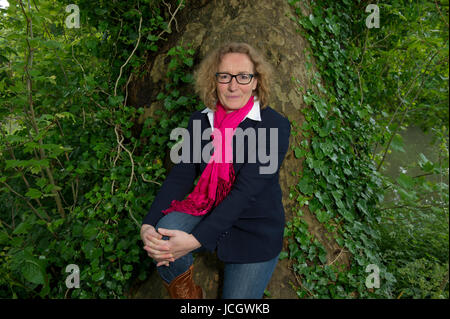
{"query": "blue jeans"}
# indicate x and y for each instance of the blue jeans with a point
(241, 281)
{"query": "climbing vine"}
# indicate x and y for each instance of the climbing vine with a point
(340, 182)
(79, 170)
(80, 164)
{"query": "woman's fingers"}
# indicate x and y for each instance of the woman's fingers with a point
(158, 253)
(162, 263)
(157, 248)
(158, 244)
(167, 232)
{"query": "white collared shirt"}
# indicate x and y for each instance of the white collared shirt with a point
(253, 114)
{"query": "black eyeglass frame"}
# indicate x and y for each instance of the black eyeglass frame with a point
(235, 76)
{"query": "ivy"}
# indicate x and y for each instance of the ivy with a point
(77, 172)
(79, 167)
(340, 182)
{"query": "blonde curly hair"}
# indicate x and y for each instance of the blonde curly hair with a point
(205, 75)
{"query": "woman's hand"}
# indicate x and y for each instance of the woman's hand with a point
(180, 243)
(154, 245)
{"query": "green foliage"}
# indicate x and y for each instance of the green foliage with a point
(340, 181)
(410, 53)
(77, 173)
(414, 227)
(79, 169)
(422, 279)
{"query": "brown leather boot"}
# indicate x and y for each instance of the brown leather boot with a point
(184, 287)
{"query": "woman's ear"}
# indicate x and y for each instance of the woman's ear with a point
(255, 84)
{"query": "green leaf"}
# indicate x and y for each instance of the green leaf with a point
(172, 51)
(397, 143)
(283, 255)
(407, 196)
(187, 78)
(347, 215)
(90, 232)
(182, 100)
(299, 153)
(11, 163)
(405, 181)
(188, 61)
(323, 216)
(326, 130)
(305, 186)
(424, 163)
(321, 108)
(41, 182)
(22, 228)
(99, 275)
(32, 271)
(33, 193)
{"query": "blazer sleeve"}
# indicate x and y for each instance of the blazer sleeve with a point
(248, 184)
(175, 187)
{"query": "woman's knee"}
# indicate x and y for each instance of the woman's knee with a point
(178, 221)
(167, 222)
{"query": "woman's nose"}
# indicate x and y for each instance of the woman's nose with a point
(233, 85)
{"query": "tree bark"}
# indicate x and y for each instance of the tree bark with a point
(266, 25)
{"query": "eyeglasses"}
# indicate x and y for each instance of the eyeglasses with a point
(241, 78)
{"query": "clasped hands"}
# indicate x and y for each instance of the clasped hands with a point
(163, 251)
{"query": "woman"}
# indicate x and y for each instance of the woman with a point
(235, 208)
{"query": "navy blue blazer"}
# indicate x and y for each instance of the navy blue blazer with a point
(248, 225)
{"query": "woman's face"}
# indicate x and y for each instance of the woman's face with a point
(233, 95)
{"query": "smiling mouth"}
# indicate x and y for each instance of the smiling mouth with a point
(233, 97)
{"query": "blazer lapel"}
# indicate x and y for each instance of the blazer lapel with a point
(245, 124)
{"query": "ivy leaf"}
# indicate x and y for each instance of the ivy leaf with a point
(326, 130)
(90, 232)
(347, 215)
(172, 51)
(305, 186)
(182, 100)
(283, 255)
(315, 20)
(99, 275)
(189, 62)
(187, 78)
(323, 216)
(362, 206)
(321, 108)
(298, 152)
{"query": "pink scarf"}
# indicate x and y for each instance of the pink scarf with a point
(218, 177)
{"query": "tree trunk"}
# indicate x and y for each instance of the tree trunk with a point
(267, 26)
